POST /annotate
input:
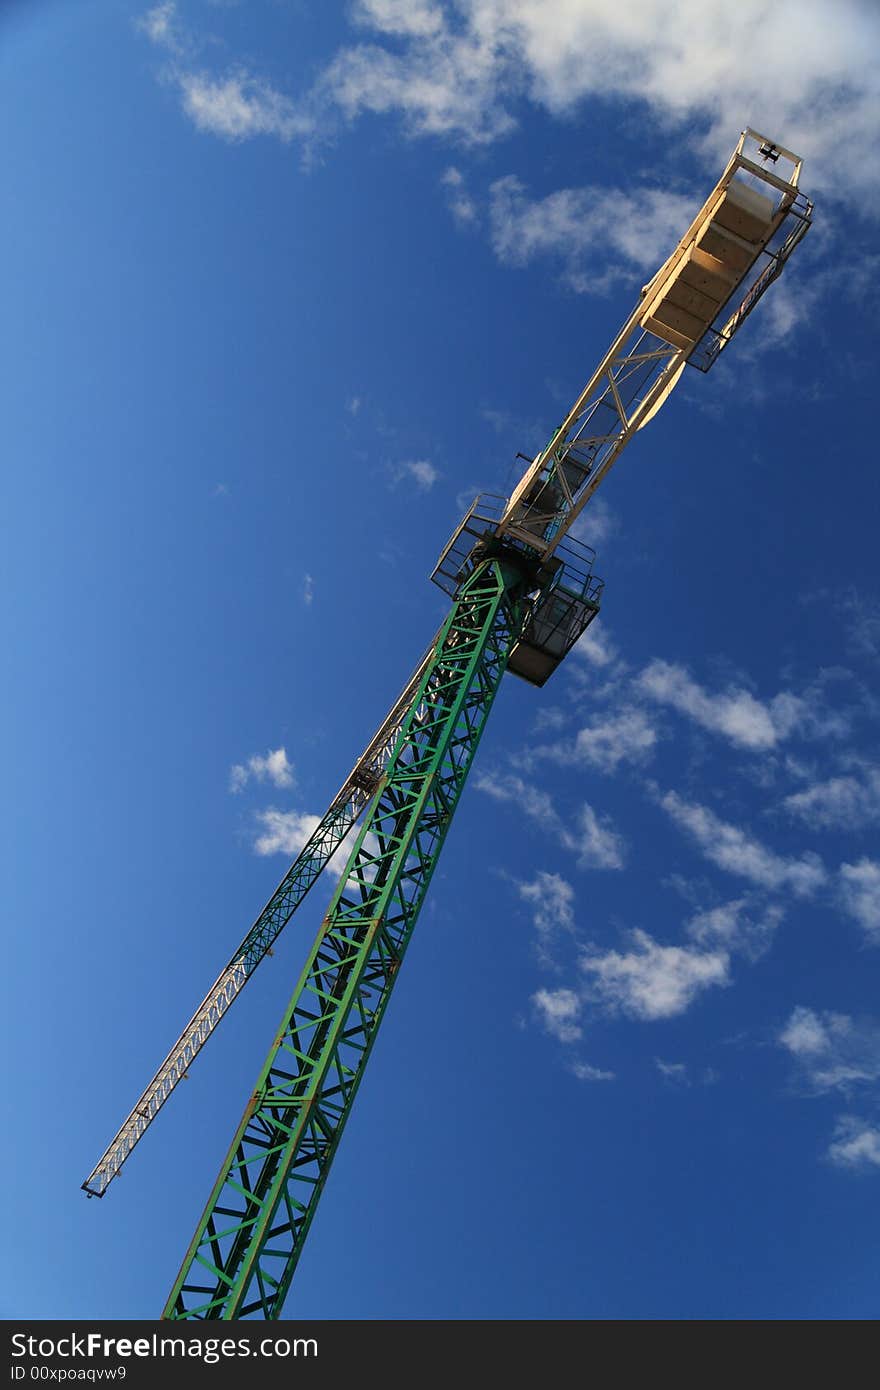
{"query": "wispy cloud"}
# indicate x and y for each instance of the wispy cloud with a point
(160, 25)
(734, 713)
(680, 1075)
(466, 71)
(421, 471)
(733, 850)
(805, 1035)
(833, 1051)
(589, 836)
(596, 646)
(737, 926)
(856, 1144)
(284, 832)
(308, 590)
(595, 524)
(442, 81)
(584, 1071)
(417, 18)
(651, 981)
(234, 105)
(551, 899)
(239, 106)
(458, 199)
(674, 1072)
(598, 235)
(531, 800)
(847, 802)
(269, 767)
(596, 843)
(860, 895)
(862, 614)
(559, 1011)
(606, 742)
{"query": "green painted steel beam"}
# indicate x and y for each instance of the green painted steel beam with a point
(344, 811)
(243, 1255)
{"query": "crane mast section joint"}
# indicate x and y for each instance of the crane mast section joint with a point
(563, 592)
(734, 249)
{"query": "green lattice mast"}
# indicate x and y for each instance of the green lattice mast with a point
(247, 1244)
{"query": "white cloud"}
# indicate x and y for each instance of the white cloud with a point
(856, 1144)
(680, 1074)
(733, 927)
(552, 901)
(675, 1072)
(860, 895)
(595, 523)
(596, 647)
(840, 803)
(442, 82)
(863, 623)
(833, 1051)
(784, 311)
(550, 717)
(421, 471)
(272, 767)
(819, 94)
(240, 106)
(585, 1072)
(534, 803)
(687, 63)
(553, 898)
(160, 25)
(652, 981)
(805, 1035)
(419, 18)
(284, 832)
(606, 742)
(736, 852)
(692, 70)
(459, 200)
(628, 737)
(341, 856)
(600, 235)
(736, 714)
(597, 844)
(308, 590)
(559, 1010)
(591, 837)
(353, 404)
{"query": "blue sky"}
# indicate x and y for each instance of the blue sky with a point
(287, 285)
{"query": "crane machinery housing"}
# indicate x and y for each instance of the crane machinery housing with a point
(523, 591)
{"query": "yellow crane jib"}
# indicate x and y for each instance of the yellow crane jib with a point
(688, 312)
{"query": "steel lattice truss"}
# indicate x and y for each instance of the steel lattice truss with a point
(630, 384)
(245, 1250)
(342, 814)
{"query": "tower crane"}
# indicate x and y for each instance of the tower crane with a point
(523, 591)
